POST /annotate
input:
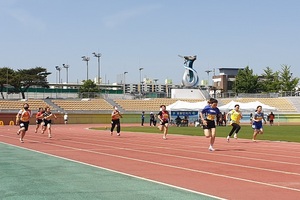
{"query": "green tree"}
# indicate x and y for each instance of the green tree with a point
(6, 75)
(287, 82)
(247, 82)
(88, 88)
(270, 80)
(24, 78)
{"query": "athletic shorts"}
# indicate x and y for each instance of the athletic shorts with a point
(164, 122)
(46, 122)
(24, 125)
(257, 125)
(39, 121)
(210, 124)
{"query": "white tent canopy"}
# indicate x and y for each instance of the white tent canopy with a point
(187, 106)
(251, 106)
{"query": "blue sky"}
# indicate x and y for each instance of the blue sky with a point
(150, 34)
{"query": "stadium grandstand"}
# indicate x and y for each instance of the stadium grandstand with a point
(131, 100)
(282, 104)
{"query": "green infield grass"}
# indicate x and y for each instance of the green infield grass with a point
(289, 133)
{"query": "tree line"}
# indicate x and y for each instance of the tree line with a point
(18, 81)
(268, 82)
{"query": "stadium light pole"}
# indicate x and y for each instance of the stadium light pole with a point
(67, 72)
(208, 71)
(86, 59)
(141, 79)
(98, 56)
(58, 68)
(124, 83)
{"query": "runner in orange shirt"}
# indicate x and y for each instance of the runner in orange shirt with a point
(115, 121)
(22, 119)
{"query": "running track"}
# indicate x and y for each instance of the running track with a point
(240, 169)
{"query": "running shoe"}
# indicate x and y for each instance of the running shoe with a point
(211, 148)
(21, 140)
(228, 137)
(235, 136)
(118, 134)
(18, 132)
(164, 138)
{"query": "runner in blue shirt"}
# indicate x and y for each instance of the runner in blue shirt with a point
(257, 122)
(208, 116)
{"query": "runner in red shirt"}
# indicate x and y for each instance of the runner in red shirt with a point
(164, 118)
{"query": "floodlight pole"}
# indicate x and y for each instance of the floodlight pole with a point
(58, 69)
(67, 72)
(141, 79)
(124, 91)
(98, 56)
(86, 59)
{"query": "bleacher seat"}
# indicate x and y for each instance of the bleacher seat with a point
(34, 104)
(87, 105)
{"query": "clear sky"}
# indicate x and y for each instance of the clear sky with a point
(131, 34)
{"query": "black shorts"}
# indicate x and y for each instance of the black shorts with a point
(24, 125)
(163, 122)
(39, 121)
(46, 122)
(210, 124)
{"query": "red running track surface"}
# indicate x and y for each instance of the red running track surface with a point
(240, 169)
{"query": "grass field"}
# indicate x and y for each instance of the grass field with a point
(289, 133)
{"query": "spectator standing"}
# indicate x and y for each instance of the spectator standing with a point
(178, 121)
(224, 118)
(66, 118)
(271, 118)
(143, 118)
(251, 118)
(155, 120)
(152, 118)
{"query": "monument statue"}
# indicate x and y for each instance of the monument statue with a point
(190, 77)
